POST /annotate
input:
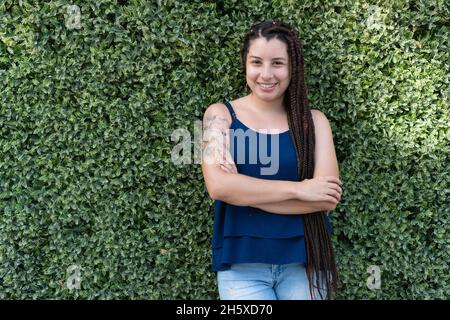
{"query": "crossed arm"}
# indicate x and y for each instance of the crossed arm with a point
(275, 196)
(295, 206)
(325, 165)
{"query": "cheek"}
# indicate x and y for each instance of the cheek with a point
(283, 74)
(252, 73)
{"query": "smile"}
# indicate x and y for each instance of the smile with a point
(267, 85)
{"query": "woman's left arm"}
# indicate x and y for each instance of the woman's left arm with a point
(296, 206)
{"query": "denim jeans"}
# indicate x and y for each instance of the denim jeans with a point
(261, 281)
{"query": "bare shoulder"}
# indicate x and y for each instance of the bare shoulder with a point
(318, 115)
(320, 119)
(218, 114)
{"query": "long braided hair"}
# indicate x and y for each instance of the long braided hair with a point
(321, 265)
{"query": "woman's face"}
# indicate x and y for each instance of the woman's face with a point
(268, 68)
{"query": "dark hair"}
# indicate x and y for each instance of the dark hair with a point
(321, 264)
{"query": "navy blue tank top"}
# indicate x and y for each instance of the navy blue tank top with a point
(243, 234)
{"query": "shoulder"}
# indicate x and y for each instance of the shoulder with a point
(318, 116)
(216, 108)
(321, 124)
(217, 112)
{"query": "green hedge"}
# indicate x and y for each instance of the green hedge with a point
(86, 116)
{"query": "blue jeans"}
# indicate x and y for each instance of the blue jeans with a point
(261, 281)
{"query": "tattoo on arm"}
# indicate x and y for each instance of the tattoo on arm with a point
(215, 139)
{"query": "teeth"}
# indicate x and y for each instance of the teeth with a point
(269, 85)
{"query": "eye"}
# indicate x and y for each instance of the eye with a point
(276, 62)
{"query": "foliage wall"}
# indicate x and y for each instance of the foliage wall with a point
(89, 100)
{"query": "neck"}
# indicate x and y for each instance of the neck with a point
(267, 107)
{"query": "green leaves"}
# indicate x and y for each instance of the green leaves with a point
(86, 115)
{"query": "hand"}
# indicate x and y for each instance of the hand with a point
(320, 189)
(228, 164)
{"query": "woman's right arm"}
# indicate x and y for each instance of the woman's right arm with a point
(236, 189)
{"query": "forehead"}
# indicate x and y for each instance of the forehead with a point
(264, 49)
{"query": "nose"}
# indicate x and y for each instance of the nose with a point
(266, 73)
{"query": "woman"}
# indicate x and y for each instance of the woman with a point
(271, 235)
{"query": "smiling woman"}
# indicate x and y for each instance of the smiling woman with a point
(265, 72)
(271, 237)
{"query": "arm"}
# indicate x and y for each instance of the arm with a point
(325, 165)
(236, 188)
(242, 190)
(295, 206)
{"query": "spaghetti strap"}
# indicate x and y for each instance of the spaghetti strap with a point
(230, 108)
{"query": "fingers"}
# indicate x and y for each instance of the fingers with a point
(332, 179)
(228, 162)
(335, 191)
(334, 194)
(335, 180)
(225, 168)
(331, 199)
(228, 158)
(337, 188)
(229, 168)
(337, 195)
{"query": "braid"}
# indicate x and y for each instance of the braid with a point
(321, 266)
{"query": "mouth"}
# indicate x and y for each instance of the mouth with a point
(267, 85)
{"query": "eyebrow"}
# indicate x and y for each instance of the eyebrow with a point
(277, 58)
